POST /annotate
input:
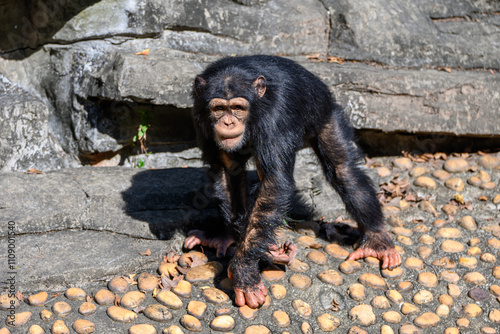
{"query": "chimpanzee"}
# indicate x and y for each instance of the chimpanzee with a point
(267, 107)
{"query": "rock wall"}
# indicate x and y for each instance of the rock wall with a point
(70, 72)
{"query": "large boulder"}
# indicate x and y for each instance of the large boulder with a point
(25, 139)
(417, 33)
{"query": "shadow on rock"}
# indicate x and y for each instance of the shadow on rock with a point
(170, 200)
(181, 199)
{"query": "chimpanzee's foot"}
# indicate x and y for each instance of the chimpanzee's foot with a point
(252, 296)
(378, 245)
(283, 254)
(198, 237)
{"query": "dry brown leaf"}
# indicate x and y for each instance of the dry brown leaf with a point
(117, 300)
(19, 296)
(33, 171)
(483, 198)
(146, 253)
(337, 60)
(143, 52)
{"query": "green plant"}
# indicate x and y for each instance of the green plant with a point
(141, 136)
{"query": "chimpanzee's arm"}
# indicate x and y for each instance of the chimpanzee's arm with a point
(266, 215)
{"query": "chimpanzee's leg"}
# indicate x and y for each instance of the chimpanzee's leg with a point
(335, 147)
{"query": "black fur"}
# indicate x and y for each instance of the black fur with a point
(296, 108)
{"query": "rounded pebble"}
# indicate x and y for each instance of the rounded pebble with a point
(118, 285)
(328, 322)
(142, 329)
(204, 273)
(429, 280)
(467, 223)
(38, 299)
(158, 313)
(408, 329)
(121, 315)
(75, 294)
(443, 311)
(449, 276)
(104, 297)
(373, 281)
(169, 299)
(273, 274)
(215, 296)
(46, 315)
(356, 291)
(197, 308)
(132, 299)
(394, 296)
(147, 282)
(402, 163)
(494, 316)
(34, 329)
(408, 309)
(59, 327)
(392, 273)
(454, 183)
(383, 171)
(278, 291)
(392, 317)
(385, 329)
(489, 161)
(257, 329)
(6, 302)
(173, 330)
(472, 311)
(419, 171)
(247, 312)
(20, 319)
(183, 289)
(441, 175)
(448, 232)
(456, 165)
(299, 266)
(317, 257)
(423, 297)
(454, 290)
(302, 308)
(474, 278)
(61, 309)
(87, 308)
(425, 182)
(452, 246)
(350, 267)
(82, 326)
(330, 277)
(223, 323)
(380, 302)
(363, 315)
(281, 319)
(414, 263)
(336, 251)
(426, 320)
(191, 323)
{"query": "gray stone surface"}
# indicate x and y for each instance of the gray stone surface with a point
(25, 139)
(424, 33)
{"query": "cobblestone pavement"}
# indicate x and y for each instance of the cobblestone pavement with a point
(443, 213)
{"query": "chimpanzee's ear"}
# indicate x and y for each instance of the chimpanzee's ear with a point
(260, 86)
(199, 85)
